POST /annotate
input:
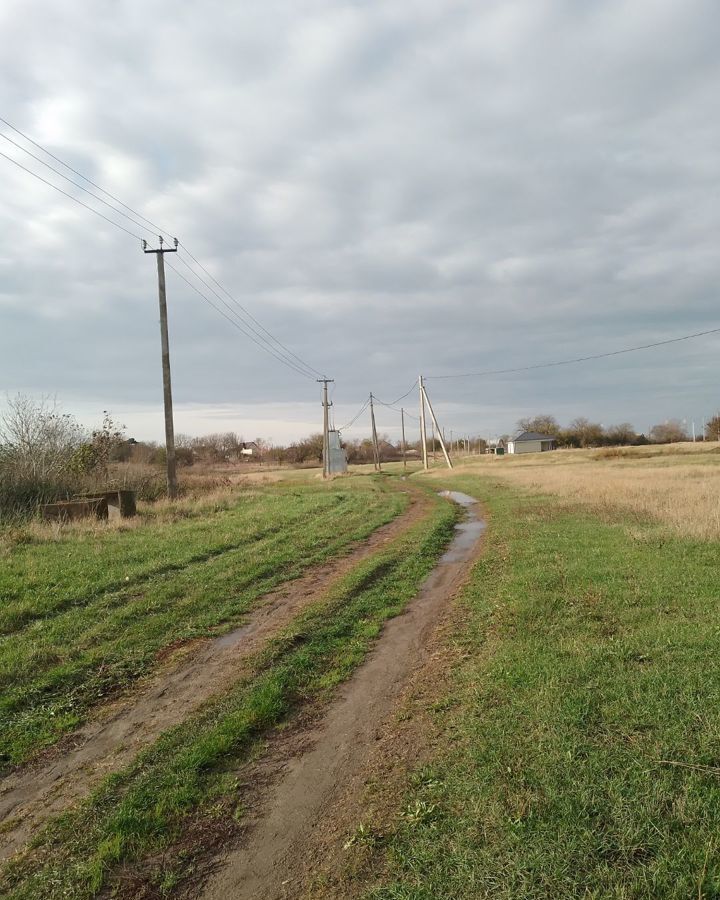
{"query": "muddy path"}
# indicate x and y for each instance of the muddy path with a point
(330, 759)
(36, 793)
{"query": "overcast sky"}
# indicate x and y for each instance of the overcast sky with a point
(389, 187)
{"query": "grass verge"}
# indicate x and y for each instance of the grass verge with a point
(88, 613)
(141, 812)
(589, 688)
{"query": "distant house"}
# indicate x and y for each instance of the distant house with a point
(249, 448)
(531, 442)
(496, 447)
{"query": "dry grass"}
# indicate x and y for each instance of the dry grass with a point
(676, 485)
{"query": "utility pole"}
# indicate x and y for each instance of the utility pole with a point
(432, 438)
(172, 486)
(437, 428)
(423, 432)
(402, 426)
(326, 427)
(376, 449)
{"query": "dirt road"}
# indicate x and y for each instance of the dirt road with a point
(33, 795)
(332, 756)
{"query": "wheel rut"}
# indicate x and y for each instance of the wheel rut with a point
(331, 755)
(36, 793)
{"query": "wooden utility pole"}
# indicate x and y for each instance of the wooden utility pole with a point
(423, 432)
(376, 449)
(437, 428)
(326, 426)
(402, 428)
(172, 486)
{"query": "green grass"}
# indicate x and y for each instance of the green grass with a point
(591, 654)
(139, 813)
(87, 613)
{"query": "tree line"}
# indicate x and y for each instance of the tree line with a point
(46, 454)
(582, 432)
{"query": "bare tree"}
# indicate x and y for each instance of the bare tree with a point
(624, 433)
(670, 432)
(587, 433)
(543, 424)
(37, 440)
(712, 428)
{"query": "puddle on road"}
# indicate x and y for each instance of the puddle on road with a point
(467, 532)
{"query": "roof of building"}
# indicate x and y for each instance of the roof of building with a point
(533, 436)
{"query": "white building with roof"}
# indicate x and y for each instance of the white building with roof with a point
(532, 442)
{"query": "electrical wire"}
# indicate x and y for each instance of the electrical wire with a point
(357, 416)
(80, 175)
(47, 165)
(390, 406)
(251, 316)
(237, 324)
(578, 359)
(276, 349)
(266, 345)
(402, 397)
(50, 184)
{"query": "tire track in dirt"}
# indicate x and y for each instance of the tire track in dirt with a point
(33, 795)
(307, 776)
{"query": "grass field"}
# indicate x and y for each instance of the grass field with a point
(579, 753)
(576, 748)
(86, 609)
(189, 778)
(676, 485)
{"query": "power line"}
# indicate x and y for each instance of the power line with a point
(247, 312)
(357, 416)
(87, 206)
(578, 359)
(402, 397)
(47, 165)
(390, 406)
(266, 345)
(22, 134)
(239, 326)
(261, 334)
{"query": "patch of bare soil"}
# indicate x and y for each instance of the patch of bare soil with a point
(312, 784)
(31, 796)
(346, 855)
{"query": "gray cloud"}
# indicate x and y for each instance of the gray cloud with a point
(390, 188)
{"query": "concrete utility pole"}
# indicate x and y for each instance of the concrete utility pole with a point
(437, 428)
(172, 487)
(423, 432)
(376, 449)
(402, 428)
(432, 438)
(326, 427)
